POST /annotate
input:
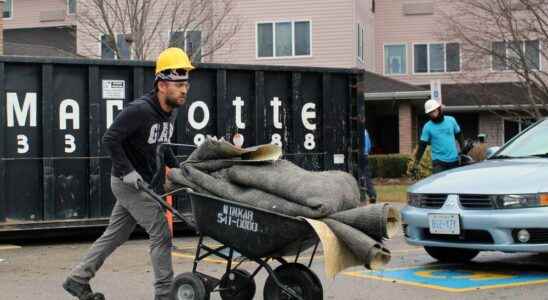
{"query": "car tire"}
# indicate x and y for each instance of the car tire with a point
(451, 255)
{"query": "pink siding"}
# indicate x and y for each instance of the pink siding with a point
(26, 14)
(393, 27)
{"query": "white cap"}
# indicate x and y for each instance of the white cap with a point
(431, 105)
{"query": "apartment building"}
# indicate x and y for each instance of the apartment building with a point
(40, 28)
(410, 46)
(398, 42)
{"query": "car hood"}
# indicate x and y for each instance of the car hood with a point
(498, 176)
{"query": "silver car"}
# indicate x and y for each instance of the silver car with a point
(500, 204)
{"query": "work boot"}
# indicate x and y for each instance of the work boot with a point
(80, 290)
(372, 200)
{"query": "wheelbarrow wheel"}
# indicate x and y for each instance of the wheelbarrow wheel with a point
(298, 278)
(188, 286)
(238, 285)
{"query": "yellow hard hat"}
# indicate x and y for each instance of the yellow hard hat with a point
(171, 59)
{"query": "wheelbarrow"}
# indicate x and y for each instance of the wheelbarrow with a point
(258, 235)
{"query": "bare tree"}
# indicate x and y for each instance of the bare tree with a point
(143, 25)
(502, 39)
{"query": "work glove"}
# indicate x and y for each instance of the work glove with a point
(132, 179)
(415, 171)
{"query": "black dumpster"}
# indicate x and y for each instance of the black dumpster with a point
(55, 174)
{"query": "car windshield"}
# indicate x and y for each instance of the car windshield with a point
(532, 143)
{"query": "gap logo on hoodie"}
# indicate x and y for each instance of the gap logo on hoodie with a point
(160, 133)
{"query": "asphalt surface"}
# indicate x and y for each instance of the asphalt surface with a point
(36, 271)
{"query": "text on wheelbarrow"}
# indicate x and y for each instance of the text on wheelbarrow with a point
(237, 217)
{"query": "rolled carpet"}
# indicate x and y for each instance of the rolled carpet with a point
(379, 221)
(369, 251)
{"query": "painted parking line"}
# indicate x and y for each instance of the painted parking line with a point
(456, 278)
(9, 247)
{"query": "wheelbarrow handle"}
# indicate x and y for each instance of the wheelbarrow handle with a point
(160, 160)
(144, 187)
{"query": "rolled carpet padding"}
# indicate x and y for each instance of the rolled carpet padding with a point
(328, 191)
(217, 183)
(255, 176)
(379, 221)
(370, 252)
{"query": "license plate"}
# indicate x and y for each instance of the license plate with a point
(444, 224)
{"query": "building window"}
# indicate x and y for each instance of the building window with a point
(395, 59)
(508, 54)
(360, 41)
(436, 58)
(8, 9)
(191, 42)
(515, 126)
(124, 48)
(106, 47)
(71, 7)
(283, 39)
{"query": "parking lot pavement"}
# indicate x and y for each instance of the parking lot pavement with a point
(36, 271)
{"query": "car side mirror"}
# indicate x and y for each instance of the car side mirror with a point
(491, 151)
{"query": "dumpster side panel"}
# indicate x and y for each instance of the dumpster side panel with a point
(197, 118)
(308, 122)
(23, 142)
(236, 110)
(277, 112)
(70, 143)
(113, 98)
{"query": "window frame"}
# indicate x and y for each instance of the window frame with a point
(11, 10)
(360, 33)
(115, 58)
(429, 72)
(507, 69)
(292, 56)
(75, 8)
(384, 59)
(185, 35)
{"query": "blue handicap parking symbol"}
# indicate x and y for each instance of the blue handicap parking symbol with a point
(456, 278)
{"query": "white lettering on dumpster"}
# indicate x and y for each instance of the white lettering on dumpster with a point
(111, 104)
(21, 114)
(238, 104)
(237, 217)
(64, 116)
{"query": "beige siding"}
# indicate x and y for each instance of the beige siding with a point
(333, 33)
(332, 26)
(43, 13)
(492, 125)
(365, 16)
(1, 32)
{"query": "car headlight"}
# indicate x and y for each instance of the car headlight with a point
(414, 200)
(522, 201)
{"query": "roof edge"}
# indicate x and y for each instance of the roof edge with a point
(405, 95)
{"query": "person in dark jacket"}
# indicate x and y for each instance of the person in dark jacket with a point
(366, 171)
(440, 133)
(131, 141)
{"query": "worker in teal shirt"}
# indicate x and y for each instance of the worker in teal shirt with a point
(441, 133)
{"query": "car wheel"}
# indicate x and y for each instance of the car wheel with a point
(451, 255)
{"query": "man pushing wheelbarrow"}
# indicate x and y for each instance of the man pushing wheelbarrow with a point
(131, 141)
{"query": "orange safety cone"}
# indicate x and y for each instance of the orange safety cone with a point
(169, 215)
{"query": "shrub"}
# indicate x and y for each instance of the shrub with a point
(425, 166)
(389, 166)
